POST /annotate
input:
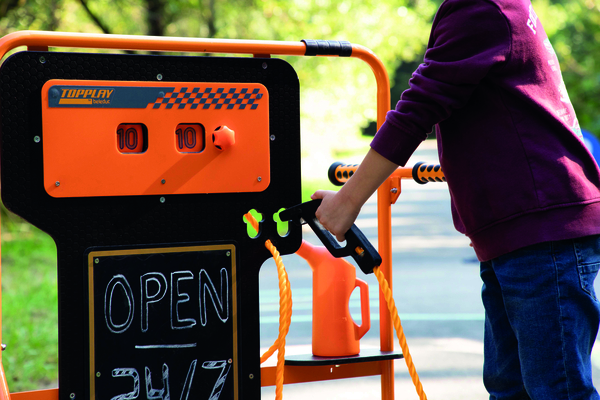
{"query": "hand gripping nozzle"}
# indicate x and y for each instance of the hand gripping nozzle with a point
(357, 245)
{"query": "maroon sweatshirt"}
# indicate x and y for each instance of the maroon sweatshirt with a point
(508, 139)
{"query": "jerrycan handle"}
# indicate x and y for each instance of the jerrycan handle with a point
(365, 311)
(357, 245)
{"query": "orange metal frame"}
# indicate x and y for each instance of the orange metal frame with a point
(37, 40)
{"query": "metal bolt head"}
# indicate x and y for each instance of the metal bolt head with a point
(97, 374)
(96, 260)
(161, 94)
(163, 181)
(72, 396)
(42, 59)
(251, 376)
(272, 138)
(259, 178)
(159, 77)
(394, 190)
(264, 65)
(229, 361)
(37, 139)
(162, 200)
(57, 183)
(228, 253)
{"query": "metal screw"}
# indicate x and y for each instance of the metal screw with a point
(264, 65)
(57, 183)
(259, 178)
(42, 59)
(159, 77)
(251, 376)
(394, 190)
(37, 139)
(161, 94)
(98, 374)
(272, 137)
(228, 253)
(163, 181)
(162, 200)
(96, 260)
(72, 395)
(230, 361)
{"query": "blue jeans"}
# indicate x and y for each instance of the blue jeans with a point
(541, 321)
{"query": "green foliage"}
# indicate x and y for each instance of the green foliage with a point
(337, 99)
(574, 30)
(337, 96)
(29, 307)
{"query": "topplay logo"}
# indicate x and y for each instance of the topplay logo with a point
(85, 96)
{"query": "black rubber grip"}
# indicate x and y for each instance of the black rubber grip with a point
(332, 175)
(415, 173)
(423, 173)
(339, 173)
(340, 48)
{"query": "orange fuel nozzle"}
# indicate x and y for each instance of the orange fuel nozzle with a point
(223, 138)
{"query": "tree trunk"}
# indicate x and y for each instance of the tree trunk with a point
(156, 17)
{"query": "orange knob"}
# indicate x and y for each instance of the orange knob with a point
(223, 138)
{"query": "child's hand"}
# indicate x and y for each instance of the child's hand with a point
(336, 213)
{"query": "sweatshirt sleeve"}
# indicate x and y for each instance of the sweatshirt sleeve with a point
(468, 39)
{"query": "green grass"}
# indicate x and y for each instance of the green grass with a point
(29, 307)
(30, 303)
(309, 187)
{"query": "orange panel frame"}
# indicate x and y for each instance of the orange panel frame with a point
(36, 40)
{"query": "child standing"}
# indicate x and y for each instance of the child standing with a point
(524, 189)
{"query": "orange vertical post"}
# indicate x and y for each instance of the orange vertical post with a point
(384, 223)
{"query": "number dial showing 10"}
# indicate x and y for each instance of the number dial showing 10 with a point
(133, 138)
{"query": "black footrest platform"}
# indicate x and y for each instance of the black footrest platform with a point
(365, 355)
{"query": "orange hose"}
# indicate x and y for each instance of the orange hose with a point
(285, 313)
(385, 288)
(285, 316)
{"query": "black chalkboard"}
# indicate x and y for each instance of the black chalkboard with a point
(162, 323)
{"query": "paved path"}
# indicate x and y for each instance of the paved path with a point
(437, 292)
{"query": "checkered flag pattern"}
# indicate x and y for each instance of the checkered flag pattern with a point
(217, 98)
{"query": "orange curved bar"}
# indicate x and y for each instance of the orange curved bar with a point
(384, 222)
(381, 77)
(150, 43)
(39, 39)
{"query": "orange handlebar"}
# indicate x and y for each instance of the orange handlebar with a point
(40, 40)
(339, 173)
(423, 173)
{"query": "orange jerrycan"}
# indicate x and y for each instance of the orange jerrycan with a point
(334, 332)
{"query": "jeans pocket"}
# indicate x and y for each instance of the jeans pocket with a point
(587, 275)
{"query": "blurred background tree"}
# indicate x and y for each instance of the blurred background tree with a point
(338, 97)
(337, 102)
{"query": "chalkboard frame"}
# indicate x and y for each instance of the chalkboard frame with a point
(95, 259)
